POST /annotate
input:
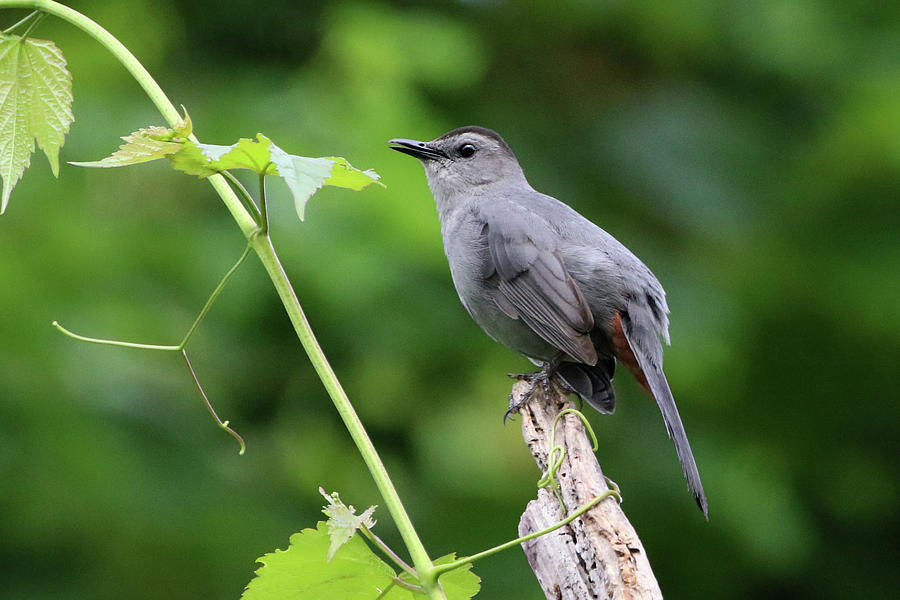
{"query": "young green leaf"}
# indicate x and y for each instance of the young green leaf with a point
(212, 158)
(342, 522)
(207, 159)
(245, 154)
(184, 130)
(345, 176)
(192, 161)
(35, 104)
(305, 175)
(302, 175)
(146, 144)
(141, 146)
(302, 572)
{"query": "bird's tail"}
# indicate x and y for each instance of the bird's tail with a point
(663, 396)
(641, 352)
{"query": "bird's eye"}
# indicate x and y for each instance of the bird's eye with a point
(467, 150)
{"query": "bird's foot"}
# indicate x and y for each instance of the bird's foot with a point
(538, 378)
(542, 378)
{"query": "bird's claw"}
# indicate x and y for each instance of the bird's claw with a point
(541, 377)
(514, 406)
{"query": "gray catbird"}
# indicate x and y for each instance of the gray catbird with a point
(541, 279)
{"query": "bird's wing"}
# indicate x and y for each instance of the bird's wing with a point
(533, 284)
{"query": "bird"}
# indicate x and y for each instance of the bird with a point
(543, 280)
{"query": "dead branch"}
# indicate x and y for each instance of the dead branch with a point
(598, 555)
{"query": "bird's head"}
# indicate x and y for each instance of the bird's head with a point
(463, 160)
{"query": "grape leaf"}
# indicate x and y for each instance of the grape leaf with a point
(140, 146)
(245, 154)
(186, 128)
(306, 175)
(342, 522)
(192, 161)
(345, 176)
(35, 105)
(204, 160)
(302, 572)
(146, 144)
(461, 583)
(302, 175)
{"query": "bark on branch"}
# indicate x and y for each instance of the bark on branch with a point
(598, 555)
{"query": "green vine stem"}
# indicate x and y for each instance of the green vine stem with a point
(441, 569)
(181, 346)
(557, 454)
(398, 582)
(30, 16)
(387, 590)
(212, 297)
(34, 23)
(190, 332)
(243, 194)
(424, 566)
(263, 208)
(262, 245)
(222, 424)
(379, 543)
(107, 342)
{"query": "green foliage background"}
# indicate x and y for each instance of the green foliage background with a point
(748, 152)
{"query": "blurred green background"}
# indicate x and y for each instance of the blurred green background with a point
(749, 153)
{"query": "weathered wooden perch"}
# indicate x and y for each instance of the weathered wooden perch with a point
(598, 555)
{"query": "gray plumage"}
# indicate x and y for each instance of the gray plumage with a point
(541, 279)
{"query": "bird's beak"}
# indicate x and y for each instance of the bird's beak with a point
(420, 150)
